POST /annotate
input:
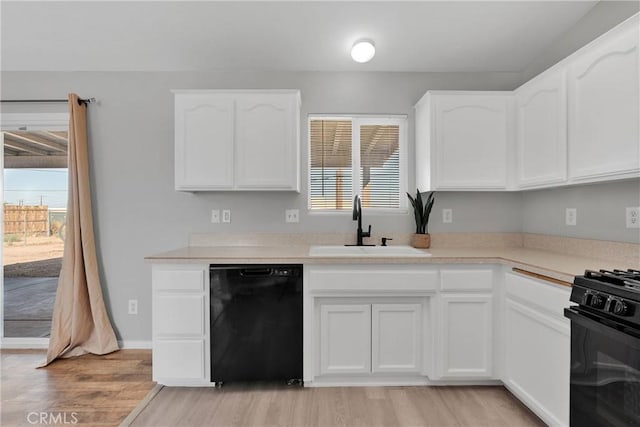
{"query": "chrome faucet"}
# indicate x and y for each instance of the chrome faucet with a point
(357, 216)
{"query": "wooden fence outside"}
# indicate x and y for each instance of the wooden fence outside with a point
(28, 220)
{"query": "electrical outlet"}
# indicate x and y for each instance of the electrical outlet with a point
(215, 216)
(226, 215)
(447, 216)
(633, 217)
(291, 215)
(133, 306)
(571, 216)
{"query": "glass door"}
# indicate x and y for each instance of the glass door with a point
(34, 188)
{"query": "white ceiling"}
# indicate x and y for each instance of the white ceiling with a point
(267, 35)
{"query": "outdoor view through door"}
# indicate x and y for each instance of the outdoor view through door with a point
(35, 202)
(357, 155)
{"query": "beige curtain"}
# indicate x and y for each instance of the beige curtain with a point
(80, 323)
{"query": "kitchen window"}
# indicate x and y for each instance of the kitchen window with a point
(363, 155)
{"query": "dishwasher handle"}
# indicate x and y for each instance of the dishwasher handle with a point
(256, 272)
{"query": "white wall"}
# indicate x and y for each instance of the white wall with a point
(600, 211)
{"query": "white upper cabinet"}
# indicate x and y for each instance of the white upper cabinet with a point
(267, 134)
(203, 141)
(603, 106)
(237, 140)
(577, 122)
(541, 112)
(462, 140)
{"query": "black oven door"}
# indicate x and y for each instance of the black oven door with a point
(605, 372)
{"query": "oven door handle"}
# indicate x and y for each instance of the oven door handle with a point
(630, 338)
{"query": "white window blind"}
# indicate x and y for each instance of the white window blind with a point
(363, 155)
(380, 166)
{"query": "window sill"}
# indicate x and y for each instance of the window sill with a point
(348, 212)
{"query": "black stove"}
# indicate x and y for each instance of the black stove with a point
(612, 294)
(605, 349)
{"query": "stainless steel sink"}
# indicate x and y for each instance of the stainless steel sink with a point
(367, 251)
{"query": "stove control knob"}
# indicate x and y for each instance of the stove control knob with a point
(586, 298)
(619, 307)
(597, 301)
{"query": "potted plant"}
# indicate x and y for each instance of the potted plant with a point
(422, 238)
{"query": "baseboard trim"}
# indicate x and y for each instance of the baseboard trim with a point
(134, 345)
(24, 343)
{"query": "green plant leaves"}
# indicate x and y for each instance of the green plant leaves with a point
(421, 210)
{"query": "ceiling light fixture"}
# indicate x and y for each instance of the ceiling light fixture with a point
(363, 50)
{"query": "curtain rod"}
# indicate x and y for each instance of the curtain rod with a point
(80, 100)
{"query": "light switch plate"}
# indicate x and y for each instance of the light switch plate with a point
(226, 215)
(571, 216)
(447, 216)
(633, 217)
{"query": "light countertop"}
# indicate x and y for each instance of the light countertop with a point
(551, 264)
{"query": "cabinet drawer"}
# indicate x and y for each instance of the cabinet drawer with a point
(178, 359)
(390, 278)
(178, 315)
(183, 280)
(548, 296)
(466, 280)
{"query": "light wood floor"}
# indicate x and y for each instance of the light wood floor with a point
(103, 390)
(265, 405)
(99, 390)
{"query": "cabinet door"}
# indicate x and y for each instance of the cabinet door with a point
(203, 141)
(179, 361)
(467, 336)
(542, 130)
(471, 135)
(396, 338)
(603, 108)
(267, 140)
(345, 339)
(538, 351)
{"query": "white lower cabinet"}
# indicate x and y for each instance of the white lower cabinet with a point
(178, 360)
(370, 338)
(396, 338)
(466, 325)
(465, 342)
(345, 338)
(393, 324)
(180, 316)
(538, 347)
(368, 324)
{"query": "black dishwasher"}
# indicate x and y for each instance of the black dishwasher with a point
(256, 323)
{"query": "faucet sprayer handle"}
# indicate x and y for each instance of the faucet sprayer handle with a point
(367, 233)
(384, 241)
(357, 207)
